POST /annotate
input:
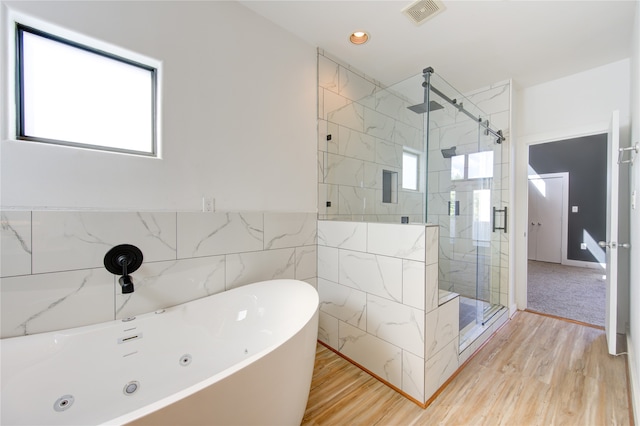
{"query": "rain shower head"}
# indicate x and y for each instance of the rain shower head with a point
(422, 108)
(448, 152)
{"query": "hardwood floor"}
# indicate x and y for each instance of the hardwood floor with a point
(536, 370)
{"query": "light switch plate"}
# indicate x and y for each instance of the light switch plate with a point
(574, 209)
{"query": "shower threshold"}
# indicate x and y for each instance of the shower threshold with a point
(472, 331)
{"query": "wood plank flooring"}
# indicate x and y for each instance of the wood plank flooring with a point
(536, 370)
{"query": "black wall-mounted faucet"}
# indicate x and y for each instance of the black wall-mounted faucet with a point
(123, 260)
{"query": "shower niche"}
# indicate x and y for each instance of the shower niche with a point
(458, 182)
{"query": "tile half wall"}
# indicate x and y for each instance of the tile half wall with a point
(53, 278)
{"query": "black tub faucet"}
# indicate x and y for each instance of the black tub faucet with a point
(123, 260)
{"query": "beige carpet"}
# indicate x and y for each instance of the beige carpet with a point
(567, 291)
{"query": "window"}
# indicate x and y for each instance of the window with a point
(458, 163)
(480, 165)
(477, 165)
(75, 95)
(409, 170)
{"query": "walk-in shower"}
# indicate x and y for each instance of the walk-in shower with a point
(420, 151)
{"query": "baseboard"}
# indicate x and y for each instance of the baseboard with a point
(582, 264)
(634, 384)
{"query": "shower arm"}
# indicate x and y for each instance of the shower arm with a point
(485, 124)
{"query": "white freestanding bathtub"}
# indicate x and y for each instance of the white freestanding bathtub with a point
(244, 356)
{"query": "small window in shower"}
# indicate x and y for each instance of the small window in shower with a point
(480, 165)
(90, 95)
(389, 186)
(458, 163)
(410, 171)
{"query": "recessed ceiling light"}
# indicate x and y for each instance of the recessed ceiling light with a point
(358, 37)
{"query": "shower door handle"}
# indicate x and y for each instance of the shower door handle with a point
(504, 227)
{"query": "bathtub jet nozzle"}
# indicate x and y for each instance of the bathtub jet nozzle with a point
(122, 260)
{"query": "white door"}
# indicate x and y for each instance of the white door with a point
(546, 210)
(611, 258)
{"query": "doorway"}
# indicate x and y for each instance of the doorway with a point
(548, 198)
(566, 217)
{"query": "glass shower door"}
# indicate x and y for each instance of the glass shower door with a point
(464, 181)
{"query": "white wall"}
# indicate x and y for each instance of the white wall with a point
(633, 340)
(238, 121)
(575, 105)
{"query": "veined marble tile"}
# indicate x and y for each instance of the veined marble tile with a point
(379, 125)
(409, 136)
(328, 74)
(328, 263)
(432, 286)
(356, 201)
(322, 160)
(397, 106)
(326, 129)
(328, 330)
(443, 117)
(442, 326)
(393, 322)
(354, 144)
(385, 211)
(379, 275)
(345, 235)
(350, 115)
(388, 153)
(346, 304)
(495, 99)
(337, 110)
(413, 375)
(413, 283)
(373, 175)
(15, 247)
(39, 303)
(306, 262)
(160, 285)
(353, 86)
(411, 203)
(440, 367)
(380, 357)
(459, 134)
(209, 234)
(340, 170)
(404, 241)
(283, 230)
(248, 268)
(328, 193)
(432, 237)
(79, 240)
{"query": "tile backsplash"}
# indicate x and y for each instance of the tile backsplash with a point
(53, 278)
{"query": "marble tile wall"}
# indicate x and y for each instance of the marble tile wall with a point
(368, 129)
(52, 273)
(379, 303)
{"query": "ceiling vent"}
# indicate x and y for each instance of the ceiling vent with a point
(422, 10)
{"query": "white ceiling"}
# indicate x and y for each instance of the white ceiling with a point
(471, 43)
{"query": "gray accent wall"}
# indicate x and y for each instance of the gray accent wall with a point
(585, 159)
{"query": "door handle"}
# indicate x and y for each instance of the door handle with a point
(495, 226)
(613, 244)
